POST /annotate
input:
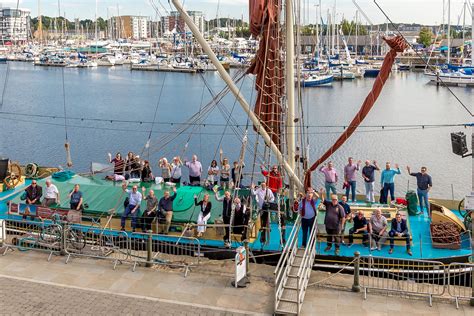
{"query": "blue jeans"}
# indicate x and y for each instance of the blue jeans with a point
(330, 186)
(423, 199)
(388, 187)
(392, 239)
(351, 187)
(306, 225)
(127, 212)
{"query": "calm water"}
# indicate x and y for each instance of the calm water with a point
(120, 94)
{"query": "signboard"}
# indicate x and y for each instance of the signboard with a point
(41, 211)
(240, 265)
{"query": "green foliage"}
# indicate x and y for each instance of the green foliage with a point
(425, 37)
(49, 22)
(349, 28)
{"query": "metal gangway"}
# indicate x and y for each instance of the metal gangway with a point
(293, 271)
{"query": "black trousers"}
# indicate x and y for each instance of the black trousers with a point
(194, 180)
(227, 230)
(264, 225)
(306, 226)
(146, 220)
(365, 236)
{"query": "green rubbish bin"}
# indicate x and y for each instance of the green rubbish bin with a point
(412, 202)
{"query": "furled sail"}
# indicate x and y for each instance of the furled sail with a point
(397, 45)
(268, 64)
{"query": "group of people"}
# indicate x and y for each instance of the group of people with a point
(266, 193)
(338, 213)
(387, 181)
(33, 195)
(154, 208)
(134, 169)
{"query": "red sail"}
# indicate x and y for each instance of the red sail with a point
(267, 65)
(397, 45)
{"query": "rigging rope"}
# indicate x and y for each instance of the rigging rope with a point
(7, 73)
(425, 62)
(228, 119)
(67, 145)
(147, 144)
(188, 123)
(397, 44)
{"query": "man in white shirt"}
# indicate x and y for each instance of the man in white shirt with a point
(51, 194)
(264, 196)
(133, 207)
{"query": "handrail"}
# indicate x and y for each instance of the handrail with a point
(310, 244)
(293, 240)
(289, 252)
(294, 233)
(308, 258)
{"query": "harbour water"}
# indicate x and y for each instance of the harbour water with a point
(120, 99)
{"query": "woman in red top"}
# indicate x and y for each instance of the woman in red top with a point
(274, 179)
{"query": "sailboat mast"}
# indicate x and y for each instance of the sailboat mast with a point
(463, 31)
(290, 86)
(96, 26)
(357, 32)
(40, 23)
(449, 31)
(238, 95)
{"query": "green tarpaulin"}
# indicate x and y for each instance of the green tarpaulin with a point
(101, 196)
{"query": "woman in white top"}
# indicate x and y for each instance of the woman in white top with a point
(176, 170)
(165, 169)
(204, 214)
(225, 174)
(212, 173)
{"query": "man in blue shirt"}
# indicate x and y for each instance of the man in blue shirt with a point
(76, 198)
(133, 207)
(424, 184)
(387, 182)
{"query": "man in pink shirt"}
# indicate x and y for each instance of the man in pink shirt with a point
(330, 178)
(350, 178)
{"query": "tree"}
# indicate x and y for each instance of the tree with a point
(349, 28)
(425, 37)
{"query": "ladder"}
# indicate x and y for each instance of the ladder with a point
(293, 271)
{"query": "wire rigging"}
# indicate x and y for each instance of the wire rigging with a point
(67, 145)
(424, 61)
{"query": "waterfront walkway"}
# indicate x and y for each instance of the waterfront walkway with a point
(31, 285)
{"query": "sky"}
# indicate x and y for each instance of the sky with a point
(401, 11)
